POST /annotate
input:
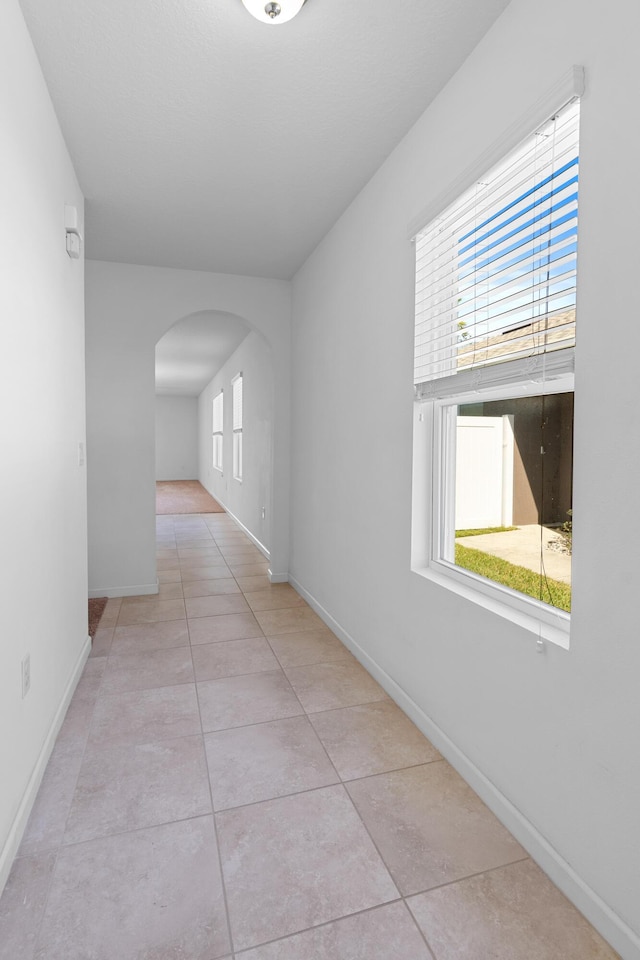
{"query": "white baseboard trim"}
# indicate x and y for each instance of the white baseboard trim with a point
(254, 540)
(21, 818)
(278, 577)
(137, 590)
(621, 937)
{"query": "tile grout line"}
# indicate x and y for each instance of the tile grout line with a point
(259, 723)
(430, 949)
(227, 915)
(178, 646)
(208, 643)
(384, 773)
(279, 796)
(319, 926)
(213, 819)
(141, 829)
(470, 876)
(450, 883)
(38, 931)
(158, 686)
(55, 851)
(60, 844)
(143, 743)
(215, 827)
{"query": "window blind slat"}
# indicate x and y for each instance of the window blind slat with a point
(427, 268)
(218, 413)
(237, 402)
(560, 259)
(217, 429)
(513, 178)
(496, 272)
(537, 333)
(497, 196)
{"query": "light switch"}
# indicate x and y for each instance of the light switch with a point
(73, 246)
(72, 231)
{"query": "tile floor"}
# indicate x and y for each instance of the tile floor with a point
(230, 782)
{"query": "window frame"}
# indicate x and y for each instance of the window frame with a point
(217, 436)
(439, 480)
(427, 530)
(238, 462)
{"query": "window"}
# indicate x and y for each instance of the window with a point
(495, 331)
(236, 385)
(218, 430)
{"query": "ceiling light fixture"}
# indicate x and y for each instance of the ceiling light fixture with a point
(274, 12)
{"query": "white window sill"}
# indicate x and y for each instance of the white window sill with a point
(545, 624)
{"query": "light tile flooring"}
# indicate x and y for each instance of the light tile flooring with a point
(229, 781)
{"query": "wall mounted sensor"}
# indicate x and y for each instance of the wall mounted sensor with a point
(74, 239)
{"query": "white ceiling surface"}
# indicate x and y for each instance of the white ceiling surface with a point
(207, 140)
(192, 352)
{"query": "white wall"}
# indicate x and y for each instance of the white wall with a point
(176, 437)
(553, 739)
(42, 488)
(245, 500)
(129, 308)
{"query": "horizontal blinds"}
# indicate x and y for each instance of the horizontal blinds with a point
(237, 403)
(496, 272)
(218, 413)
(543, 368)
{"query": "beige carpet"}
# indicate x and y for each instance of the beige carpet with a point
(184, 496)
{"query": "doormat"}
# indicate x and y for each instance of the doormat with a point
(96, 609)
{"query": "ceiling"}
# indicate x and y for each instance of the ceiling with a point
(207, 140)
(191, 353)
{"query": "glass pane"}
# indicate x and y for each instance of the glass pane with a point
(513, 490)
(237, 455)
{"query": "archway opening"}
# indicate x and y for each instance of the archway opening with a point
(214, 421)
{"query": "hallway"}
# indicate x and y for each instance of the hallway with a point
(230, 782)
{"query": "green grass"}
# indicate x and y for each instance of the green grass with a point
(518, 578)
(480, 530)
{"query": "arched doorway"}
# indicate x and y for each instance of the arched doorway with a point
(199, 363)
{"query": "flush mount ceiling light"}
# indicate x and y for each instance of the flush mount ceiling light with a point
(274, 12)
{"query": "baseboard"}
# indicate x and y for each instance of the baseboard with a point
(254, 540)
(614, 930)
(278, 577)
(21, 818)
(138, 590)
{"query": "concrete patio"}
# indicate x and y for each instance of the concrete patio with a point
(522, 547)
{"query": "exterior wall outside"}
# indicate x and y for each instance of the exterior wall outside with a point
(176, 438)
(128, 309)
(248, 499)
(541, 488)
(555, 735)
(44, 530)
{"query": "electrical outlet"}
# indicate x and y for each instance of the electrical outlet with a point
(264, 512)
(26, 675)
